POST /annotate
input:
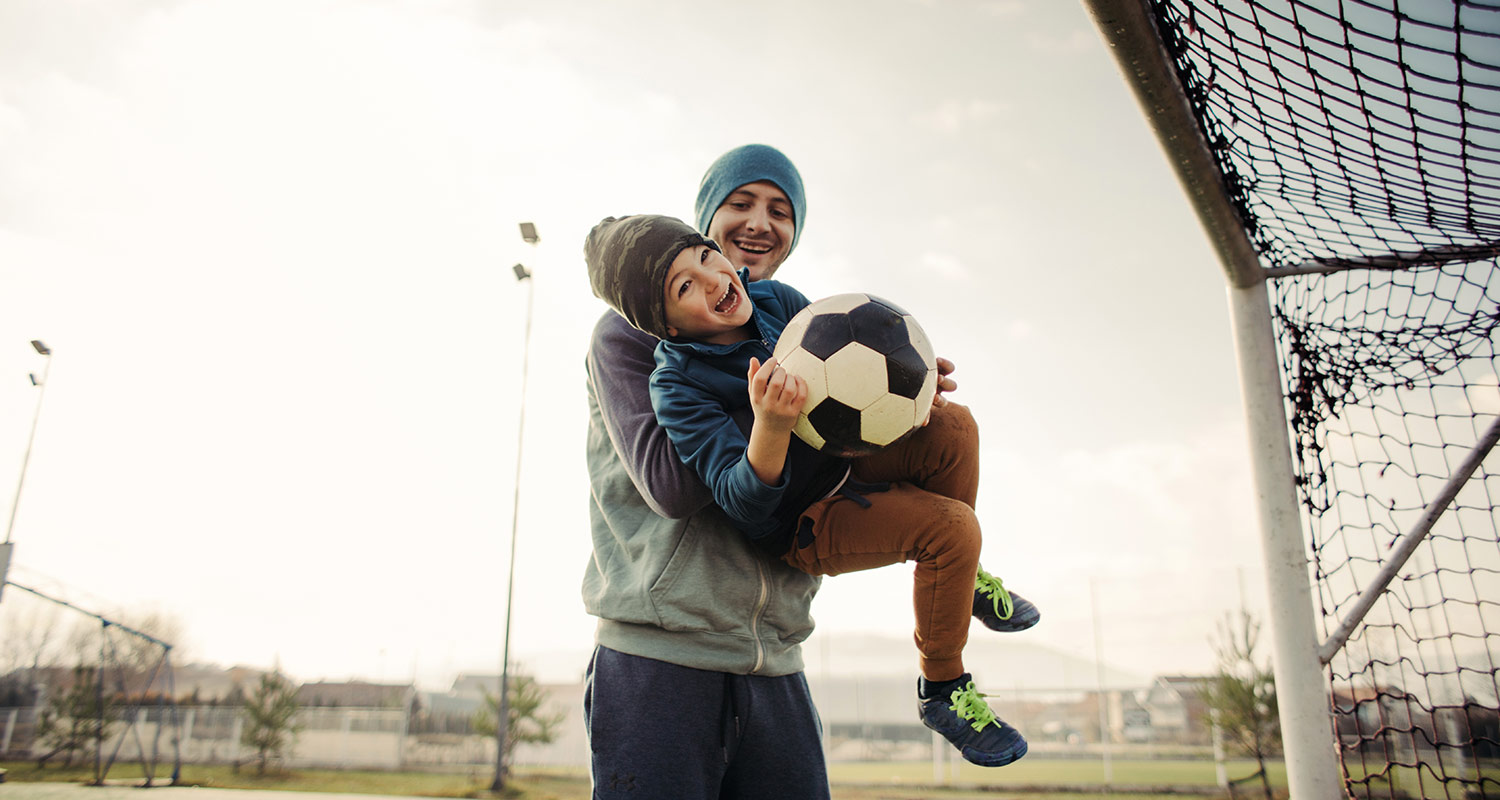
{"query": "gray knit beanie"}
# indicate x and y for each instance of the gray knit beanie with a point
(628, 259)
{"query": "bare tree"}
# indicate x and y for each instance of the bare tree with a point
(1242, 696)
(29, 631)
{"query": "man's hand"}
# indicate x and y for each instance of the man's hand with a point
(944, 384)
(776, 395)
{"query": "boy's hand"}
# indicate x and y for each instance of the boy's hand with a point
(776, 396)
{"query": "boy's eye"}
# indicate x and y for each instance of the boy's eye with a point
(703, 256)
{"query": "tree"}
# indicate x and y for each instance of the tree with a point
(527, 721)
(270, 712)
(1242, 696)
(141, 654)
(27, 634)
(75, 717)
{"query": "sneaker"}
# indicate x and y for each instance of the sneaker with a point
(1001, 610)
(966, 721)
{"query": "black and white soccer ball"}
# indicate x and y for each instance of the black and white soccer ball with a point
(870, 371)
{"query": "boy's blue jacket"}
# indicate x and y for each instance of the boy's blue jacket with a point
(694, 388)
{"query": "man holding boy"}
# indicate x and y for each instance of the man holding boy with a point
(695, 689)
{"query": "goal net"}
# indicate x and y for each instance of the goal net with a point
(1358, 146)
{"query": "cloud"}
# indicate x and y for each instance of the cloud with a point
(1133, 505)
(1004, 8)
(945, 266)
(1077, 41)
(1484, 394)
(954, 115)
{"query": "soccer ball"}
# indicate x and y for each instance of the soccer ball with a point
(870, 371)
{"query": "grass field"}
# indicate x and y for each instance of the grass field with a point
(1067, 779)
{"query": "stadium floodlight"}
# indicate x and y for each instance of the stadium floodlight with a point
(502, 708)
(41, 385)
(15, 503)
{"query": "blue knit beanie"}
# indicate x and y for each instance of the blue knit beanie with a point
(748, 164)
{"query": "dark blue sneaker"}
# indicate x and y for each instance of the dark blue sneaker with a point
(966, 720)
(999, 609)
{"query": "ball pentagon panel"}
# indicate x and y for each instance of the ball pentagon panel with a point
(839, 303)
(826, 334)
(856, 376)
(809, 368)
(920, 341)
(906, 371)
(840, 426)
(887, 420)
(877, 327)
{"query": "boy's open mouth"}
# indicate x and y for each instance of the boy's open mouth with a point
(729, 301)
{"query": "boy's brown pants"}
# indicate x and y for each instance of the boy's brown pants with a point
(926, 516)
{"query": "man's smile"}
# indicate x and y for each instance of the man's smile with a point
(755, 246)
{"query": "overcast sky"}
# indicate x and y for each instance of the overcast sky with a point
(270, 245)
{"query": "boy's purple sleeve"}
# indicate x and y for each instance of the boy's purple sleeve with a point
(620, 362)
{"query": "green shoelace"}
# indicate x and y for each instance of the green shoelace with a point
(994, 588)
(969, 704)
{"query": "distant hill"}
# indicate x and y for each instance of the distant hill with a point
(1005, 662)
(999, 661)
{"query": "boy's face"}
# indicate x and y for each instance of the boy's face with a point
(754, 225)
(705, 299)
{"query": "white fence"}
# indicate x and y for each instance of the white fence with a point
(342, 738)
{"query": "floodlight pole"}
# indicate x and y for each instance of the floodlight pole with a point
(6, 547)
(35, 415)
(502, 710)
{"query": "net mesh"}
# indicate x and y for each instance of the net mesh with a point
(1360, 145)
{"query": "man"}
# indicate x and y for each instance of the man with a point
(695, 689)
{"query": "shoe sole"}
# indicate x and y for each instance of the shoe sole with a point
(980, 759)
(1011, 626)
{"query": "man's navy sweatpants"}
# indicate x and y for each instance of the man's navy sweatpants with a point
(659, 730)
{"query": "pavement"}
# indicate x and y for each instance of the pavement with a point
(11, 790)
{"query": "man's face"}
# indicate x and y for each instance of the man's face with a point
(705, 300)
(755, 226)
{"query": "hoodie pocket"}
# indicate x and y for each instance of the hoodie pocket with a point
(711, 582)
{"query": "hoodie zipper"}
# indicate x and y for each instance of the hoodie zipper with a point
(760, 608)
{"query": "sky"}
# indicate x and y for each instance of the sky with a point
(269, 243)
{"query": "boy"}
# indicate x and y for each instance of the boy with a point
(824, 515)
